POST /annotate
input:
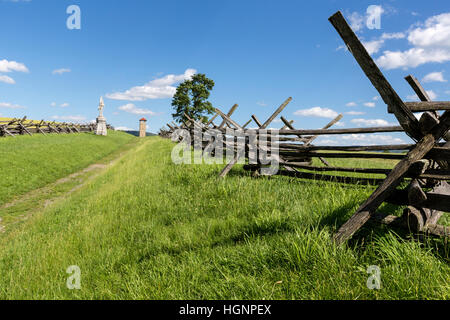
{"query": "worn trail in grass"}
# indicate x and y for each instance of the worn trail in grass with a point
(24, 206)
(31, 162)
(148, 229)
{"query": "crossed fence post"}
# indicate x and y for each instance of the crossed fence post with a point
(310, 140)
(231, 164)
(424, 216)
(407, 120)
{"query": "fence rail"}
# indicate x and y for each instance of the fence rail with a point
(14, 127)
(423, 165)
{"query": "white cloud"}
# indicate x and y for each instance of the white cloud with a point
(351, 104)
(10, 105)
(131, 108)
(359, 21)
(10, 66)
(373, 46)
(355, 113)
(6, 79)
(70, 118)
(434, 33)
(431, 94)
(156, 89)
(124, 129)
(373, 139)
(412, 58)
(322, 141)
(356, 21)
(434, 77)
(396, 35)
(261, 103)
(376, 98)
(371, 122)
(62, 105)
(370, 104)
(359, 139)
(376, 139)
(430, 41)
(317, 112)
(61, 71)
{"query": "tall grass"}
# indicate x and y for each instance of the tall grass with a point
(149, 229)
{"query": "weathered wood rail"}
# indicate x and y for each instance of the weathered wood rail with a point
(422, 165)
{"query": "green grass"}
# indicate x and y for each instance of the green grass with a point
(148, 229)
(30, 162)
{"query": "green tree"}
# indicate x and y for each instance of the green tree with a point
(191, 98)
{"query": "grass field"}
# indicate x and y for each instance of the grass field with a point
(30, 162)
(148, 229)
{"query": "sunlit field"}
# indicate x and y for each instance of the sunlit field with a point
(145, 228)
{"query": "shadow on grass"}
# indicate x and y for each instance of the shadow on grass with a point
(334, 220)
(260, 230)
(245, 233)
(338, 216)
(372, 230)
(237, 171)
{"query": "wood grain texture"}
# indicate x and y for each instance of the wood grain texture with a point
(392, 180)
(405, 117)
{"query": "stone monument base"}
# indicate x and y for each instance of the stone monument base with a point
(101, 127)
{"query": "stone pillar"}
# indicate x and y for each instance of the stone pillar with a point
(101, 121)
(142, 128)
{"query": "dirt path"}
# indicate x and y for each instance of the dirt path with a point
(23, 208)
(39, 191)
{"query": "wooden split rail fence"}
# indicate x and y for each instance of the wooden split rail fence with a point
(23, 126)
(422, 166)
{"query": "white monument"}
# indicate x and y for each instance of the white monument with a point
(101, 121)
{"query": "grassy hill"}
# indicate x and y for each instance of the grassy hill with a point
(30, 162)
(148, 229)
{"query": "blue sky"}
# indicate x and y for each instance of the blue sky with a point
(135, 52)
